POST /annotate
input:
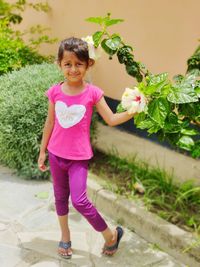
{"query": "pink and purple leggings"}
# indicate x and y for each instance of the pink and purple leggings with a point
(70, 178)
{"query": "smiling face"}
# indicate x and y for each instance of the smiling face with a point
(73, 68)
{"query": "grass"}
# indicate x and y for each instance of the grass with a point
(178, 204)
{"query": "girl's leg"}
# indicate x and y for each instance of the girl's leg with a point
(65, 235)
(77, 182)
(61, 193)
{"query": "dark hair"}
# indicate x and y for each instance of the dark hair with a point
(75, 45)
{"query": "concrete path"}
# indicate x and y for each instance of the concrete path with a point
(29, 233)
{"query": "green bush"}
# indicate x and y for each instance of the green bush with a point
(22, 117)
(14, 53)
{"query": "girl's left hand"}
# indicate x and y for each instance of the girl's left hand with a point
(42, 157)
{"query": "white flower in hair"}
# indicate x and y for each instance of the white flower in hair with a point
(94, 53)
(133, 100)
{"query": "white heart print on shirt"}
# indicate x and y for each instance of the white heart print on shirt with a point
(69, 116)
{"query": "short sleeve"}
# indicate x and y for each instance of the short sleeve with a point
(50, 94)
(97, 95)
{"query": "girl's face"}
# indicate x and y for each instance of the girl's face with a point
(73, 68)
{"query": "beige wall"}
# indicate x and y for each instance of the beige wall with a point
(163, 33)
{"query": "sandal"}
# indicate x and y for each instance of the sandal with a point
(65, 245)
(114, 247)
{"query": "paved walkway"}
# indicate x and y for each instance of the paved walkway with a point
(29, 233)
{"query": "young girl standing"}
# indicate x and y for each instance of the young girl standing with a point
(66, 136)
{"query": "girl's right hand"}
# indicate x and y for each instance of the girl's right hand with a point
(42, 157)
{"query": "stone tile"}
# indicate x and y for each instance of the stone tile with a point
(21, 193)
(8, 237)
(10, 256)
(68, 263)
(3, 226)
(39, 219)
(46, 264)
(31, 257)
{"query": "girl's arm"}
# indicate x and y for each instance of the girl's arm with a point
(109, 117)
(47, 130)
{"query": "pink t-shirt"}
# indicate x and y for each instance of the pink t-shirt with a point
(70, 137)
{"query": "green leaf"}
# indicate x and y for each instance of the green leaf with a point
(196, 150)
(190, 110)
(157, 79)
(113, 43)
(112, 22)
(42, 195)
(146, 124)
(139, 118)
(107, 49)
(124, 54)
(171, 124)
(133, 69)
(98, 20)
(154, 129)
(97, 38)
(189, 132)
(120, 108)
(182, 95)
(186, 142)
(184, 123)
(156, 83)
(104, 20)
(197, 91)
(115, 35)
(158, 110)
(183, 91)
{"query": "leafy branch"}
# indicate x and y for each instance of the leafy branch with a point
(173, 106)
(113, 44)
(11, 13)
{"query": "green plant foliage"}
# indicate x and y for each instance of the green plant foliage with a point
(186, 142)
(12, 12)
(104, 21)
(14, 53)
(177, 203)
(172, 106)
(113, 44)
(183, 91)
(158, 110)
(196, 150)
(24, 108)
(172, 110)
(194, 61)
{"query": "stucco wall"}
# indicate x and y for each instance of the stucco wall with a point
(163, 33)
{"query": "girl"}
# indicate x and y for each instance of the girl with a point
(66, 137)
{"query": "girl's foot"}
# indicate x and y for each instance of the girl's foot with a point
(64, 249)
(111, 247)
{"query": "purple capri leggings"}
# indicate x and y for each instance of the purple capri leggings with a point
(70, 177)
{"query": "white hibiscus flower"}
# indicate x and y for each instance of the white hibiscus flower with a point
(133, 100)
(94, 53)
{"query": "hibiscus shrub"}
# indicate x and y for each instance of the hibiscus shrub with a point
(169, 109)
(23, 112)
